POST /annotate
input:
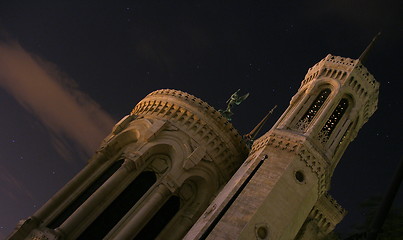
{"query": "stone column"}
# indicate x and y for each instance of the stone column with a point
(181, 228)
(292, 114)
(61, 196)
(146, 211)
(86, 210)
(335, 140)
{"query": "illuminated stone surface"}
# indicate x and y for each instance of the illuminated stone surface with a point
(192, 175)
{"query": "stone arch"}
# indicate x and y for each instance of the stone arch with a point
(199, 189)
(117, 143)
(177, 146)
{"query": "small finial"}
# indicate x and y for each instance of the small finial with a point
(251, 136)
(364, 54)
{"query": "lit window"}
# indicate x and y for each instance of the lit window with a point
(307, 118)
(331, 123)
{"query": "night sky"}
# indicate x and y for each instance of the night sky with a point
(70, 70)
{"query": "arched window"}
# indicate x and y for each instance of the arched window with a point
(85, 195)
(333, 120)
(100, 227)
(307, 118)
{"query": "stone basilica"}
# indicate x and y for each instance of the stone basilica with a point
(175, 168)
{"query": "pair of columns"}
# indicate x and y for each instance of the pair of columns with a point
(86, 213)
(76, 223)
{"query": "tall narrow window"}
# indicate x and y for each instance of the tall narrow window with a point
(119, 207)
(85, 195)
(333, 120)
(307, 118)
(343, 139)
(160, 219)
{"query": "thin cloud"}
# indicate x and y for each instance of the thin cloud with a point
(11, 187)
(71, 116)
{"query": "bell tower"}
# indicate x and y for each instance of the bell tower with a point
(336, 97)
(280, 192)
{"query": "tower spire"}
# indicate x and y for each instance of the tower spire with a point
(364, 54)
(251, 136)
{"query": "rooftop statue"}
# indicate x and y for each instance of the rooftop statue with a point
(235, 99)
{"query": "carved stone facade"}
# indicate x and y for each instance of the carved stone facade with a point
(176, 168)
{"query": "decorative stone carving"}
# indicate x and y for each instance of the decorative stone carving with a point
(302, 124)
(323, 136)
(317, 165)
(327, 213)
(277, 141)
(201, 121)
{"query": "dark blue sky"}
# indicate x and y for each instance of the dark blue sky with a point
(118, 52)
